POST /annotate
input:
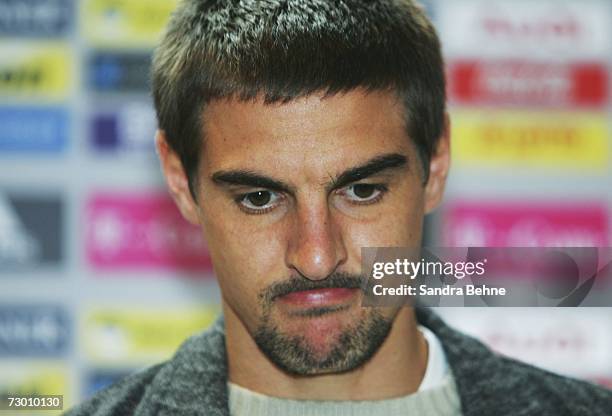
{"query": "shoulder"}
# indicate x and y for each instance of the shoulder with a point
(192, 382)
(545, 391)
(121, 398)
(490, 383)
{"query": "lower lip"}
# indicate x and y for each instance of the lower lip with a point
(318, 297)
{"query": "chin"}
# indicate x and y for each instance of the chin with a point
(324, 341)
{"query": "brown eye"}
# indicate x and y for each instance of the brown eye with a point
(259, 199)
(364, 191)
(259, 202)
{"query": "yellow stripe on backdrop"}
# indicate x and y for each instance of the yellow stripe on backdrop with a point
(540, 139)
(34, 378)
(140, 336)
(36, 70)
(125, 23)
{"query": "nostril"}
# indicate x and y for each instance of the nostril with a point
(315, 249)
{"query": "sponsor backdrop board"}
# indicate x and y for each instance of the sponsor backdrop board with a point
(32, 231)
(99, 274)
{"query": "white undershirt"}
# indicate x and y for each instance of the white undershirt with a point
(437, 366)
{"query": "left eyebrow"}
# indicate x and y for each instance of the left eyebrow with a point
(373, 166)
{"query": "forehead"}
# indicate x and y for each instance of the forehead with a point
(314, 132)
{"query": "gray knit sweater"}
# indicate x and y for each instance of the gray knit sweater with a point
(194, 382)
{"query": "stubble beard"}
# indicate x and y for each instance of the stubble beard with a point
(353, 347)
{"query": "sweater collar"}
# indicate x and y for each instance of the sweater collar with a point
(195, 380)
(483, 378)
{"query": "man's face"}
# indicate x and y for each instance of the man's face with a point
(288, 194)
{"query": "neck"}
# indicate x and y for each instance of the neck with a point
(395, 370)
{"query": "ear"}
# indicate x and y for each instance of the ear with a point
(176, 179)
(438, 169)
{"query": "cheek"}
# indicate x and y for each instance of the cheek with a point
(245, 261)
(398, 223)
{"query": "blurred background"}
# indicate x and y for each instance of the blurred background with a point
(100, 276)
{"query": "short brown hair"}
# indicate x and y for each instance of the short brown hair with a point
(285, 49)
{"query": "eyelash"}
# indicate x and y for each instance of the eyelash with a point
(382, 189)
(252, 211)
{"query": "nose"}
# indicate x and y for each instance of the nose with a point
(315, 245)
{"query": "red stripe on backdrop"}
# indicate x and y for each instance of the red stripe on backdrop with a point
(528, 83)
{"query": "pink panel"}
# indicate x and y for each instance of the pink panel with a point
(142, 231)
(522, 225)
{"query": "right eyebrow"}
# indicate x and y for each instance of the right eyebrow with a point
(251, 179)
